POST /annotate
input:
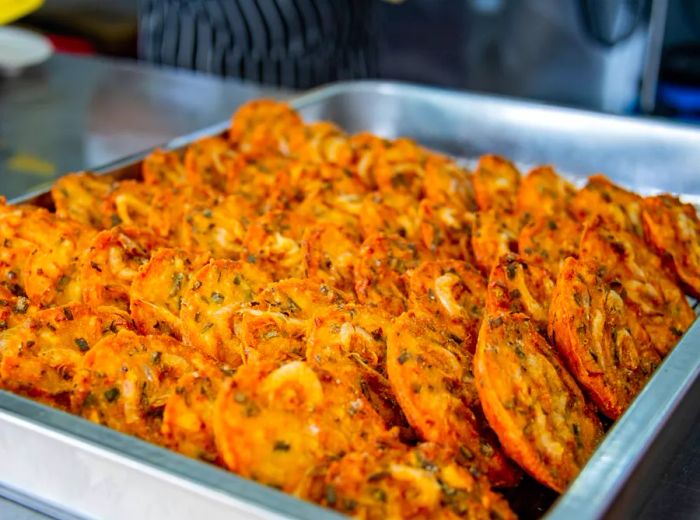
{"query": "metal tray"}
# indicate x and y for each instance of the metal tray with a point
(77, 469)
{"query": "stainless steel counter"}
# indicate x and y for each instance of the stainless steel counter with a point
(75, 113)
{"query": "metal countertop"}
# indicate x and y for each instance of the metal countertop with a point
(73, 113)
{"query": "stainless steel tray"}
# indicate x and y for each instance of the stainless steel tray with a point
(84, 470)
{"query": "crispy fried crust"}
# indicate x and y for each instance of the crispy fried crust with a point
(673, 229)
(380, 271)
(421, 482)
(266, 127)
(209, 302)
(663, 309)
(516, 286)
(547, 241)
(617, 206)
(496, 183)
(452, 292)
(41, 355)
(600, 337)
(447, 183)
(330, 255)
(79, 196)
(531, 401)
(543, 193)
(125, 380)
(432, 380)
(495, 235)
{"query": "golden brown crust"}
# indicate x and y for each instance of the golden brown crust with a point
(495, 234)
(518, 287)
(619, 207)
(531, 401)
(547, 241)
(543, 193)
(600, 337)
(673, 229)
(432, 380)
(452, 292)
(663, 309)
(496, 183)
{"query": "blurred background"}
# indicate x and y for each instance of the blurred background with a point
(114, 77)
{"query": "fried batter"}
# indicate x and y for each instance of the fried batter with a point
(547, 241)
(516, 286)
(266, 127)
(330, 255)
(600, 337)
(617, 206)
(211, 161)
(380, 271)
(531, 401)
(163, 168)
(209, 302)
(453, 292)
(496, 182)
(125, 380)
(663, 309)
(495, 235)
(543, 193)
(447, 183)
(673, 229)
(40, 356)
(79, 196)
(432, 380)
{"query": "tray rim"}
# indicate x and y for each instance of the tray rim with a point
(594, 487)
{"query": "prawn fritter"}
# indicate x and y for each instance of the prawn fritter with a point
(368, 148)
(330, 255)
(269, 335)
(51, 270)
(125, 381)
(216, 227)
(600, 337)
(547, 241)
(532, 402)
(616, 205)
(273, 241)
(13, 309)
(188, 414)
(447, 183)
(157, 291)
(355, 329)
(40, 356)
(496, 182)
(129, 203)
(453, 292)
(390, 213)
(300, 299)
(420, 482)
(79, 196)
(163, 168)
(432, 379)
(446, 230)
(673, 229)
(543, 193)
(209, 302)
(401, 168)
(264, 127)
(212, 162)
(495, 234)
(262, 183)
(517, 287)
(663, 308)
(381, 271)
(265, 423)
(110, 264)
(326, 143)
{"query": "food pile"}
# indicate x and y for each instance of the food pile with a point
(357, 321)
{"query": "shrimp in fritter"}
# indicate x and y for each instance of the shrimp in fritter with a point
(547, 241)
(432, 379)
(543, 193)
(453, 292)
(663, 308)
(600, 337)
(164, 168)
(495, 234)
(496, 182)
(516, 286)
(617, 206)
(673, 229)
(447, 183)
(209, 302)
(266, 127)
(40, 356)
(532, 402)
(212, 162)
(330, 255)
(79, 196)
